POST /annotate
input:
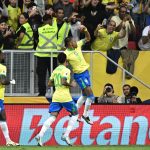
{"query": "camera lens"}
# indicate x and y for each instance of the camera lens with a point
(108, 89)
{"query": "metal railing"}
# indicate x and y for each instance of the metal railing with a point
(21, 66)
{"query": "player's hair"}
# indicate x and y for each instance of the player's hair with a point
(61, 58)
(67, 40)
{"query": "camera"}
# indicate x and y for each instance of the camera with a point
(108, 89)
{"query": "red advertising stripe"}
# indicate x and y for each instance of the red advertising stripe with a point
(113, 125)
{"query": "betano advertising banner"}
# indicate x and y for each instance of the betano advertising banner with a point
(113, 125)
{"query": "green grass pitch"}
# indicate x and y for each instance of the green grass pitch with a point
(76, 148)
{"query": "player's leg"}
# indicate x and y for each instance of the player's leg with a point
(4, 126)
(86, 90)
(54, 109)
(83, 97)
(71, 107)
(89, 101)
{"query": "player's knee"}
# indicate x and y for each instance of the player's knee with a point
(92, 97)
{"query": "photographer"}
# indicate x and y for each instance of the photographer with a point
(108, 95)
(133, 96)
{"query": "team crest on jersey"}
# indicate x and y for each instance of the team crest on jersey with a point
(86, 81)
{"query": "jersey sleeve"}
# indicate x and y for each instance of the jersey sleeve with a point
(66, 73)
(81, 42)
(3, 72)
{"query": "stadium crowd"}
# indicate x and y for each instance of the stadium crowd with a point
(115, 26)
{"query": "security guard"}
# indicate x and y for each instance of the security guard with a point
(24, 34)
(64, 28)
(47, 41)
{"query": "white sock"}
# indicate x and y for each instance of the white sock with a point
(80, 101)
(5, 131)
(46, 125)
(87, 107)
(71, 123)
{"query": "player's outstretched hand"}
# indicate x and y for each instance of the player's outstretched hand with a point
(73, 83)
(12, 81)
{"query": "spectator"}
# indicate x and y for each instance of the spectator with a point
(138, 16)
(47, 41)
(49, 10)
(144, 43)
(94, 14)
(24, 33)
(147, 11)
(125, 18)
(13, 13)
(35, 20)
(125, 98)
(63, 28)
(134, 99)
(25, 4)
(108, 95)
(66, 5)
(121, 44)
(5, 33)
(75, 26)
(106, 38)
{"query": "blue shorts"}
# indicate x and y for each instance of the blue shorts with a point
(83, 79)
(69, 106)
(1, 105)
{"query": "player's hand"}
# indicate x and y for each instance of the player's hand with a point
(12, 81)
(73, 83)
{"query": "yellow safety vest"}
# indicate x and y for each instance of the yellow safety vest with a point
(62, 34)
(47, 41)
(27, 42)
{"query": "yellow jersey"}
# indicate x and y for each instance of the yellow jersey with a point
(2, 87)
(62, 93)
(105, 41)
(76, 59)
(13, 14)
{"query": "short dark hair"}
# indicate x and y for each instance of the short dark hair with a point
(108, 84)
(25, 14)
(31, 5)
(126, 85)
(59, 8)
(3, 20)
(61, 58)
(47, 17)
(48, 6)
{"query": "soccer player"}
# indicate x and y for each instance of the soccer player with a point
(60, 78)
(3, 82)
(80, 69)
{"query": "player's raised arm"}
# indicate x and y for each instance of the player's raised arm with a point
(86, 32)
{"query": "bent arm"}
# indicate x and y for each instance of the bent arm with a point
(3, 80)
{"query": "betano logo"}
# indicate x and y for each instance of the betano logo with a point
(107, 130)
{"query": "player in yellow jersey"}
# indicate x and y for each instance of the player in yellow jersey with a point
(60, 78)
(3, 82)
(80, 69)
